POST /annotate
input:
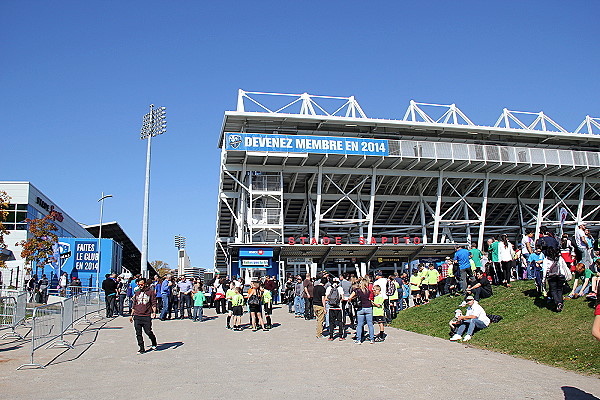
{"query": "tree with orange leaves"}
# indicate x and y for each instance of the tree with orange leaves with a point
(39, 249)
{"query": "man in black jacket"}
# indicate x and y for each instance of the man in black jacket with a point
(110, 294)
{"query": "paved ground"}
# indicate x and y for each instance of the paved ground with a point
(206, 361)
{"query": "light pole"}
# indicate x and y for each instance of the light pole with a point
(101, 201)
(180, 244)
(153, 124)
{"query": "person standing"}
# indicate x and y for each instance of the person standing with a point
(556, 274)
(144, 309)
(185, 296)
(585, 255)
(506, 256)
(382, 282)
(346, 286)
(463, 256)
(122, 286)
(165, 289)
(289, 294)
(493, 256)
(110, 294)
(334, 295)
(199, 299)
(318, 303)
(43, 289)
(298, 297)
(378, 312)
(365, 313)
(308, 298)
(527, 249)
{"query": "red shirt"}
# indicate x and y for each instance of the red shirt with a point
(597, 310)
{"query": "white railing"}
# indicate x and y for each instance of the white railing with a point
(490, 153)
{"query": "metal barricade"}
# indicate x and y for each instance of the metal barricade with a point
(50, 322)
(12, 313)
(46, 327)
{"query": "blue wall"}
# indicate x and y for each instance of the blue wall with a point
(79, 257)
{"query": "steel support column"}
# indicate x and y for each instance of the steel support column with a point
(486, 185)
(581, 200)
(438, 208)
(372, 204)
(540, 213)
(318, 208)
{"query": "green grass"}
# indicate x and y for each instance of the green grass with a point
(528, 328)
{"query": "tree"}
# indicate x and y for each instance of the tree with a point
(4, 201)
(161, 267)
(39, 249)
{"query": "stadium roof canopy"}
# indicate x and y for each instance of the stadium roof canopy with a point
(132, 257)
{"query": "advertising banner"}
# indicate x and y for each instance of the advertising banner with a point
(255, 263)
(306, 144)
(254, 252)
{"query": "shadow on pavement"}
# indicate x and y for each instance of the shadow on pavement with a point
(88, 336)
(171, 345)
(572, 393)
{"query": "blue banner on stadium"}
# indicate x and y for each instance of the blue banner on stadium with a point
(306, 144)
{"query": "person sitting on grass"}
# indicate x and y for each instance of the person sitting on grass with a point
(474, 318)
(584, 276)
(481, 287)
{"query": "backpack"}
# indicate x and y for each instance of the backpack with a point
(390, 289)
(254, 299)
(334, 297)
(494, 318)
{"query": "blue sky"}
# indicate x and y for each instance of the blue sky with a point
(76, 78)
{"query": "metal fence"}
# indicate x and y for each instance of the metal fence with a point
(51, 322)
(12, 313)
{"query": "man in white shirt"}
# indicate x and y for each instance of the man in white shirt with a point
(585, 256)
(475, 318)
(526, 249)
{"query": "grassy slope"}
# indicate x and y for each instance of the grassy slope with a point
(528, 328)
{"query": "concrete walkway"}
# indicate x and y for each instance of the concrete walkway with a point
(206, 361)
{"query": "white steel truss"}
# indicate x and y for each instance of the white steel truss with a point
(542, 122)
(308, 104)
(348, 107)
(452, 115)
(589, 123)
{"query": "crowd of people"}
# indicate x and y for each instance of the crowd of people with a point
(347, 304)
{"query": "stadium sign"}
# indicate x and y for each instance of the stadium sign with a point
(306, 144)
(337, 240)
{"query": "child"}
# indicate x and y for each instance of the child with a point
(378, 312)
(268, 306)
(228, 295)
(199, 299)
(237, 304)
(415, 287)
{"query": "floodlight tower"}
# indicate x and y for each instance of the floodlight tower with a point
(181, 254)
(153, 124)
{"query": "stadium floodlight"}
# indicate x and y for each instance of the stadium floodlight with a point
(154, 123)
(180, 242)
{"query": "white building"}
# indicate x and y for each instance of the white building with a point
(29, 202)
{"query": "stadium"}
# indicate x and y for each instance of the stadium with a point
(311, 182)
